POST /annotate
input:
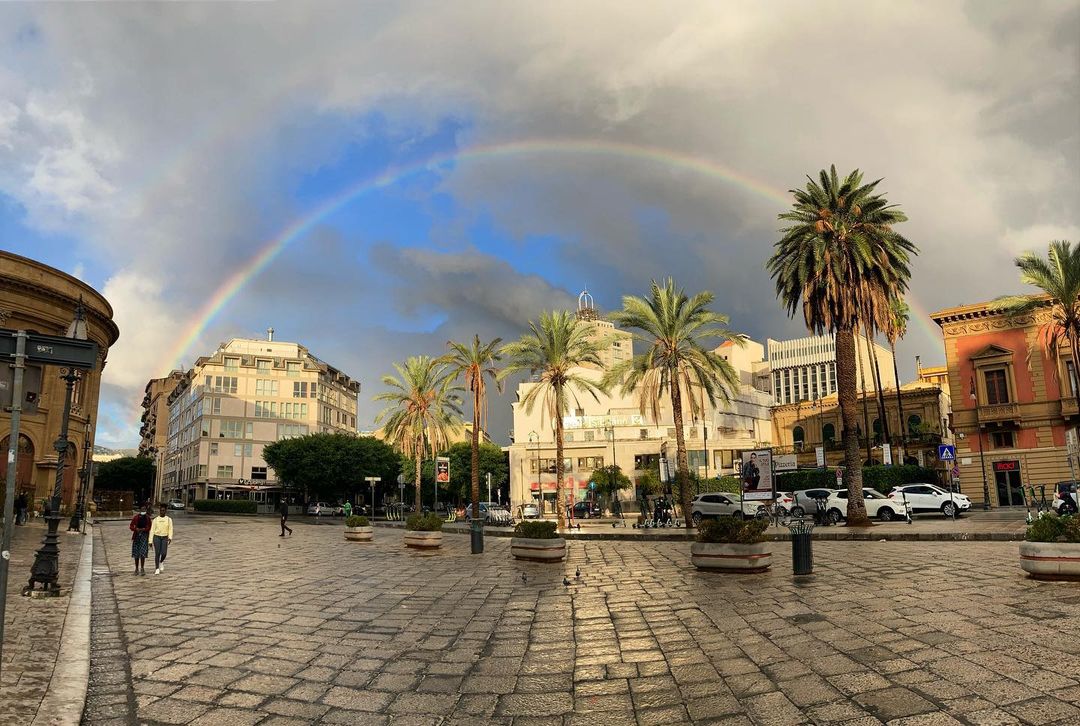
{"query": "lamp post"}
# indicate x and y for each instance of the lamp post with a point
(46, 567)
(982, 459)
(533, 436)
(75, 525)
(372, 481)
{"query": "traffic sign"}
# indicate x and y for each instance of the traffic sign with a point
(53, 350)
(946, 452)
(592, 485)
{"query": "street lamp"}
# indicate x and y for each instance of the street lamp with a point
(533, 436)
(372, 481)
(982, 460)
(46, 567)
(75, 524)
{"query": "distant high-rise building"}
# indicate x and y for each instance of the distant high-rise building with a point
(804, 369)
(154, 438)
(618, 345)
(232, 403)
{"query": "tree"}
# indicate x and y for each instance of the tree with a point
(129, 473)
(490, 459)
(423, 408)
(899, 314)
(610, 480)
(554, 351)
(675, 362)
(331, 465)
(841, 261)
(1058, 276)
(475, 363)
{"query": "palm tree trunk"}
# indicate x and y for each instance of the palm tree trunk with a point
(883, 417)
(899, 403)
(416, 478)
(476, 455)
(847, 395)
(862, 383)
(560, 494)
(682, 465)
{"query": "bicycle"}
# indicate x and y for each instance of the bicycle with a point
(777, 516)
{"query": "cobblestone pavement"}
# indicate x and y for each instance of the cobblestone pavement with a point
(249, 628)
(34, 625)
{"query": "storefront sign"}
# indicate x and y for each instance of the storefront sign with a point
(1007, 466)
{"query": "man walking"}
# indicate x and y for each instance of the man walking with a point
(284, 509)
(348, 508)
(161, 531)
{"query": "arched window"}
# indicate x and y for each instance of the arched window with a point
(798, 434)
(828, 432)
(877, 429)
(913, 424)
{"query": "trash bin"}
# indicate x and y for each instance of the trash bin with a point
(802, 547)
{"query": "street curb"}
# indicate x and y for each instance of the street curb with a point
(65, 697)
(843, 535)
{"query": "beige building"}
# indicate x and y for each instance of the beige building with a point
(153, 439)
(38, 298)
(598, 432)
(804, 369)
(232, 403)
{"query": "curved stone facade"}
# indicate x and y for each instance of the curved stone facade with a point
(39, 298)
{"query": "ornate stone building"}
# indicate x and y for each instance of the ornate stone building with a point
(1014, 401)
(39, 298)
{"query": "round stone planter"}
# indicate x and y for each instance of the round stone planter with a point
(359, 534)
(1051, 560)
(538, 550)
(737, 558)
(423, 540)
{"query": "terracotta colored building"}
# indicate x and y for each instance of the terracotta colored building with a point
(1013, 402)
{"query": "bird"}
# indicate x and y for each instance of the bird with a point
(524, 577)
(577, 574)
(210, 539)
(566, 581)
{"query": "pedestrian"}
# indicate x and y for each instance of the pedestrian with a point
(20, 508)
(318, 511)
(140, 537)
(348, 508)
(284, 509)
(161, 530)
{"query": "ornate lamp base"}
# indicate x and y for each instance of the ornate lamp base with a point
(46, 567)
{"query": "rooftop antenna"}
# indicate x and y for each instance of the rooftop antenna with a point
(586, 309)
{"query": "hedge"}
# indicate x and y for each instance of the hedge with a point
(881, 478)
(233, 506)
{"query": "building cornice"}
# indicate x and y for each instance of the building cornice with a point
(976, 311)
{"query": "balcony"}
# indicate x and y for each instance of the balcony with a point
(999, 413)
(1069, 407)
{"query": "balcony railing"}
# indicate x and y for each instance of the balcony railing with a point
(999, 412)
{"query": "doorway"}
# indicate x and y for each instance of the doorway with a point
(1010, 491)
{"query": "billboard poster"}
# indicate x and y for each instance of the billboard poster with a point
(442, 470)
(756, 474)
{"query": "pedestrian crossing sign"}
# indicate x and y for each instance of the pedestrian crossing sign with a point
(946, 452)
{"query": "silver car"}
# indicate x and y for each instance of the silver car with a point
(715, 504)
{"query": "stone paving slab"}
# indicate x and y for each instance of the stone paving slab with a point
(246, 627)
(34, 626)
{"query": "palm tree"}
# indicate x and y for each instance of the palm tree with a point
(899, 314)
(675, 362)
(475, 363)
(841, 261)
(423, 405)
(1058, 276)
(554, 352)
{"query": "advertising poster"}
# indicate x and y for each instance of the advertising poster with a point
(442, 470)
(756, 474)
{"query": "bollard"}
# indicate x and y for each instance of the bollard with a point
(802, 547)
(477, 534)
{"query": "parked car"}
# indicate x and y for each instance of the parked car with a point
(326, 510)
(1066, 498)
(490, 512)
(877, 505)
(722, 504)
(530, 511)
(176, 504)
(804, 502)
(586, 509)
(930, 499)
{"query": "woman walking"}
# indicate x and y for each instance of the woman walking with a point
(140, 537)
(161, 530)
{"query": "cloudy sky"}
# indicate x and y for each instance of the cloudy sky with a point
(375, 179)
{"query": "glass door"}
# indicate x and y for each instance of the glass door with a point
(1008, 482)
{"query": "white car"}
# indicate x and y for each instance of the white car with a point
(877, 505)
(720, 504)
(930, 499)
(530, 511)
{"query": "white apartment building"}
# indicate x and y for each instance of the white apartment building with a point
(597, 432)
(804, 369)
(245, 395)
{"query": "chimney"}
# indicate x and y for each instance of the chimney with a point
(270, 335)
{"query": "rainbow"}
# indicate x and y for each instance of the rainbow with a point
(300, 227)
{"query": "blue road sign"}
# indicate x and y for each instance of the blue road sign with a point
(946, 452)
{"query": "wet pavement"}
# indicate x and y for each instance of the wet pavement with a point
(246, 627)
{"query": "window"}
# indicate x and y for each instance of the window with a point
(693, 432)
(203, 470)
(643, 433)
(215, 405)
(232, 364)
(266, 387)
(314, 386)
(258, 472)
(288, 431)
(213, 449)
(590, 463)
(222, 384)
(262, 365)
(798, 434)
(828, 432)
(292, 369)
(248, 431)
(997, 387)
(913, 424)
(224, 472)
(299, 389)
(1003, 439)
(1070, 372)
(231, 429)
(579, 412)
(590, 435)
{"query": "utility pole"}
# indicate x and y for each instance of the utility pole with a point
(12, 462)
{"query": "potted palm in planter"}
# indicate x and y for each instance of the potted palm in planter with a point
(423, 531)
(731, 545)
(358, 529)
(1051, 548)
(536, 541)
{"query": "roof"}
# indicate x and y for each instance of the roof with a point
(976, 310)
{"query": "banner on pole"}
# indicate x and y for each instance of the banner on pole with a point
(442, 470)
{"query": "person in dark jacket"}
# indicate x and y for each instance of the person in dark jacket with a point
(140, 539)
(284, 509)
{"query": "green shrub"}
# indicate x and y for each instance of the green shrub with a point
(231, 506)
(356, 521)
(727, 484)
(429, 522)
(535, 529)
(1052, 528)
(729, 530)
